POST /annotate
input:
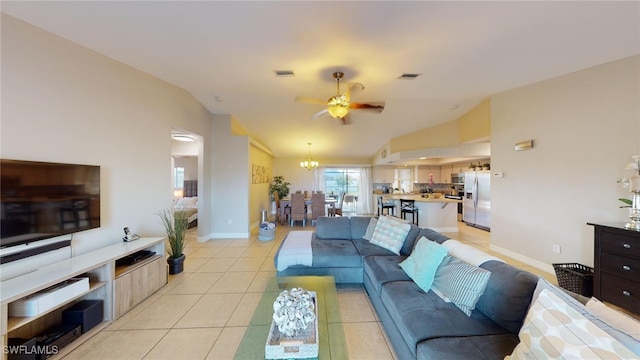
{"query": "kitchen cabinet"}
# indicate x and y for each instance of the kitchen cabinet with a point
(424, 171)
(445, 173)
(384, 174)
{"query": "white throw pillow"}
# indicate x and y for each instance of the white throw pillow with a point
(390, 234)
(614, 318)
(370, 229)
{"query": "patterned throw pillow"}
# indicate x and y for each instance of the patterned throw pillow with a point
(390, 234)
(423, 262)
(460, 282)
(553, 329)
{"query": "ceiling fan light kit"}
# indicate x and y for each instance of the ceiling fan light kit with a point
(338, 106)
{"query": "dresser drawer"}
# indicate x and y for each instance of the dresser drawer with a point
(620, 292)
(621, 266)
(621, 244)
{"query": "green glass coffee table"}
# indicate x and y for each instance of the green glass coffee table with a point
(332, 343)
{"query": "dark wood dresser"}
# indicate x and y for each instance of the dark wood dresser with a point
(616, 276)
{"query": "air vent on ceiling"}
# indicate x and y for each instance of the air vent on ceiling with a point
(283, 73)
(408, 76)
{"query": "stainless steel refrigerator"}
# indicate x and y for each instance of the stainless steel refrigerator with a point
(476, 210)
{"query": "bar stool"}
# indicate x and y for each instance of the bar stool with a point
(409, 206)
(391, 208)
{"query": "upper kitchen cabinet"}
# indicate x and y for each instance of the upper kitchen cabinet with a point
(383, 174)
(424, 171)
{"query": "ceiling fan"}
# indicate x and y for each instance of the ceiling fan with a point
(338, 106)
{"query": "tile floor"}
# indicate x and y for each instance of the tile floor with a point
(203, 312)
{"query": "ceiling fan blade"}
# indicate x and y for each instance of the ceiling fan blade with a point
(353, 89)
(309, 100)
(319, 113)
(377, 106)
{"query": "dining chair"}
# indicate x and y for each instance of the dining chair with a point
(349, 201)
(336, 208)
(298, 209)
(391, 208)
(318, 207)
(281, 212)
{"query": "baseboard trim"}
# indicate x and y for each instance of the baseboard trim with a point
(525, 259)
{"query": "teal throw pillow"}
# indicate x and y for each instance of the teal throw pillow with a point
(423, 262)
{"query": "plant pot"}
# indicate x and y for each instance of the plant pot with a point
(176, 265)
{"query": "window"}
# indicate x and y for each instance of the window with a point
(404, 179)
(337, 181)
(178, 180)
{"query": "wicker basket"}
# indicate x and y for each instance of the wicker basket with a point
(575, 277)
(266, 234)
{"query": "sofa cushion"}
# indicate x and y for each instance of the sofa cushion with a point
(390, 234)
(432, 235)
(384, 269)
(461, 282)
(338, 227)
(469, 347)
(335, 253)
(359, 226)
(423, 262)
(422, 316)
(366, 249)
(410, 240)
(508, 294)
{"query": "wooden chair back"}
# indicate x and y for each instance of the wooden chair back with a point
(318, 207)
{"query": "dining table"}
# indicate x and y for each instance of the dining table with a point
(286, 201)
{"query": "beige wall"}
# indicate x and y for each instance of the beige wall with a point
(259, 197)
(64, 103)
(585, 127)
(476, 124)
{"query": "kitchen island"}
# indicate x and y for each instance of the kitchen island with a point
(439, 214)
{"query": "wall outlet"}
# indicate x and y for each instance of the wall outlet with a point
(556, 248)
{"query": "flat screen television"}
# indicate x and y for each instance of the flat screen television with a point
(42, 200)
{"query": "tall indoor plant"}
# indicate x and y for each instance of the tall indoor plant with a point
(280, 186)
(175, 225)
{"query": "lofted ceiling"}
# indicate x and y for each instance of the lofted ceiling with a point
(225, 54)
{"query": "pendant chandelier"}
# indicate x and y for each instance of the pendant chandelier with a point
(309, 164)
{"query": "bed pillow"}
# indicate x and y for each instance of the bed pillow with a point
(372, 226)
(423, 262)
(460, 282)
(390, 234)
(186, 201)
(554, 329)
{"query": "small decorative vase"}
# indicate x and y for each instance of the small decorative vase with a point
(634, 212)
(176, 265)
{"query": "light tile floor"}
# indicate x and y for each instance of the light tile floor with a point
(203, 312)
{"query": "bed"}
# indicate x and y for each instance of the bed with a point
(189, 203)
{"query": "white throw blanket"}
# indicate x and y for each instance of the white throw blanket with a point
(296, 250)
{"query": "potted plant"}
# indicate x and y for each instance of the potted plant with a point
(175, 225)
(280, 186)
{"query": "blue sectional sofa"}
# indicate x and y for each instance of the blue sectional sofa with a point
(419, 324)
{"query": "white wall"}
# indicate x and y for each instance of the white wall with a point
(585, 127)
(64, 103)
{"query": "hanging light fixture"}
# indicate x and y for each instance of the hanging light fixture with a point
(309, 164)
(338, 105)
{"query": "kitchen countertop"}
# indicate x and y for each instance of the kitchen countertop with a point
(419, 198)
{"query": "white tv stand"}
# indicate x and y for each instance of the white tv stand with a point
(117, 286)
